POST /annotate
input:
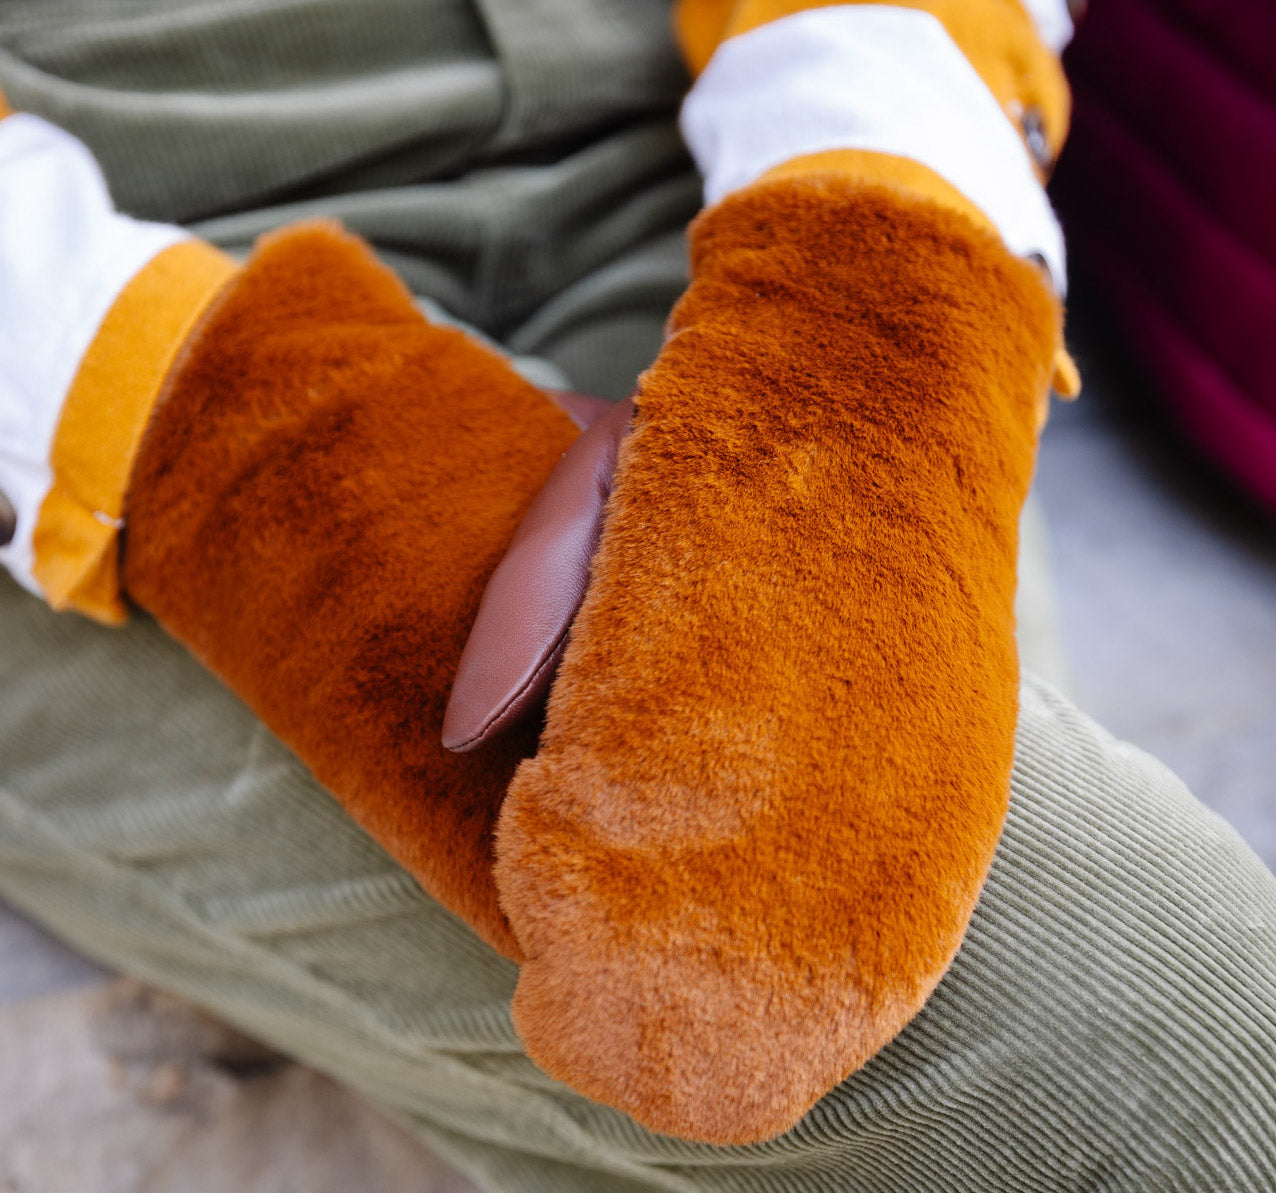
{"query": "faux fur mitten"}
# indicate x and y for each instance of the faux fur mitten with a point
(778, 751)
(315, 508)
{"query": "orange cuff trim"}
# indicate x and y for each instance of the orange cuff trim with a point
(106, 413)
(700, 27)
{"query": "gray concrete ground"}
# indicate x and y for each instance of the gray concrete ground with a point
(113, 1088)
(1167, 594)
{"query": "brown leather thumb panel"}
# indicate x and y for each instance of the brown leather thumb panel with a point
(528, 606)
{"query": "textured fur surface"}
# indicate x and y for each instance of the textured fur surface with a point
(315, 509)
(777, 756)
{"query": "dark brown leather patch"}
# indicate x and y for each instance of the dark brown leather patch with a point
(529, 603)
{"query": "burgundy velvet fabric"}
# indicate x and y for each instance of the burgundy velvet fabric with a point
(1166, 190)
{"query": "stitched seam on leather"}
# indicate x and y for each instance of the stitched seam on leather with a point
(527, 683)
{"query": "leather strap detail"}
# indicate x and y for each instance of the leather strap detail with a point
(521, 629)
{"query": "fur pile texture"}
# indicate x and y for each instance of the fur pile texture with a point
(777, 756)
(315, 509)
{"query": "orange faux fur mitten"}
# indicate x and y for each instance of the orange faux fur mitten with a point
(315, 508)
(778, 751)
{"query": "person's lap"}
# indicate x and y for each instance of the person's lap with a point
(1109, 1023)
(1111, 1020)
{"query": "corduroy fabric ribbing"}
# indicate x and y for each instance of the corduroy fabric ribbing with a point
(1109, 1024)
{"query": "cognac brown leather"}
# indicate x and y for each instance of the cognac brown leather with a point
(531, 600)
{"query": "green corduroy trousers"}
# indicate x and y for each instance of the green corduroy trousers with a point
(1110, 1022)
